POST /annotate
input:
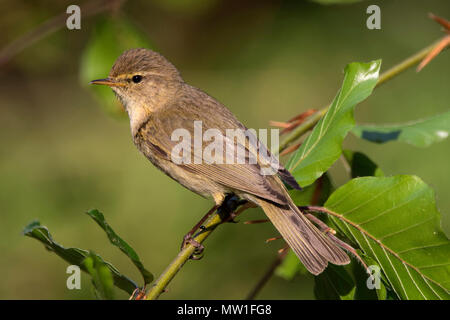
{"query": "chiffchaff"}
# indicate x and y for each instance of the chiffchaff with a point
(158, 102)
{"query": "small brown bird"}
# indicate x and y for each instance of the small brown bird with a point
(158, 101)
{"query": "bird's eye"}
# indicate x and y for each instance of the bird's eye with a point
(137, 78)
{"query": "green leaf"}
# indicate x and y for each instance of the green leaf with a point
(394, 220)
(109, 39)
(102, 277)
(121, 244)
(362, 291)
(334, 283)
(361, 165)
(347, 282)
(75, 256)
(328, 284)
(290, 267)
(420, 133)
(324, 145)
(307, 196)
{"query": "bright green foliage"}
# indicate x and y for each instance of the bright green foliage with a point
(324, 145)
(361, 165)
(394, 220)
(121, 244)
(102, 277)
(75, 256)
(420, 133)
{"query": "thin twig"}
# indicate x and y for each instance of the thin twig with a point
(444, 43)
(266, 277)
(51, 25)
(183, 256)
(273, 239)
(172, 269)
(256, 221)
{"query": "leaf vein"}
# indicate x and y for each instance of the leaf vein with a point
(404, 229)
(396, 273)
(415, 284)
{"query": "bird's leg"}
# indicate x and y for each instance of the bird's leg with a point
(226, 211)
(189, 239)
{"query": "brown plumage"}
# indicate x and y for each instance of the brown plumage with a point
(158, 101)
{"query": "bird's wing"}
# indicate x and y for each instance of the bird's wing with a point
(165, 131)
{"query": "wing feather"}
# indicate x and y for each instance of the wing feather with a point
(246, 177)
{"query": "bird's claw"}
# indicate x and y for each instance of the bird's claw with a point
(199, 248)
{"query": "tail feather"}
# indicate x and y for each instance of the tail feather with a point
(311, 246)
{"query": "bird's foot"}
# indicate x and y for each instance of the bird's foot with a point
(199, 248)
(228, 207)
(188, 238)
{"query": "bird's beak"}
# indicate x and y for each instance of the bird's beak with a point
(108, 82)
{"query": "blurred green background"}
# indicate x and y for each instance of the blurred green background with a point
(266, 60)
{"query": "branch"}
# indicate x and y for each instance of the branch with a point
(184, 255)
(210, 225)
(266, 277)
(51, 25)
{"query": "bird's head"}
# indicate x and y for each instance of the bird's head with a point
(142, 80)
